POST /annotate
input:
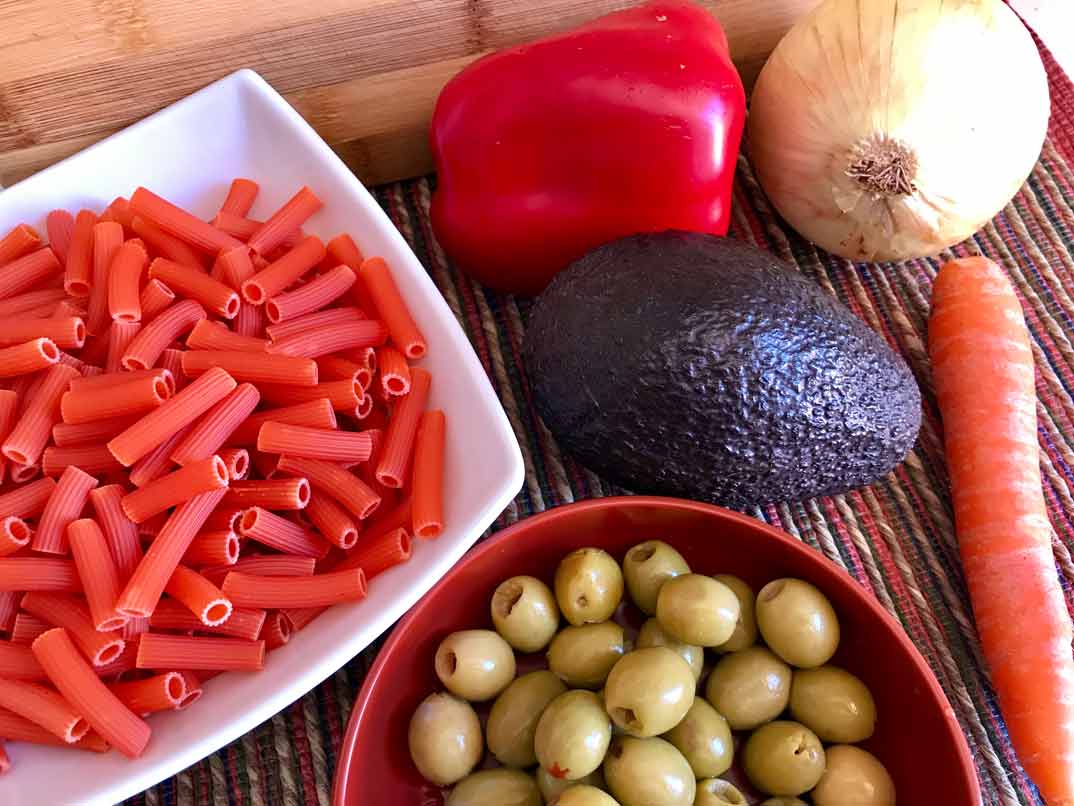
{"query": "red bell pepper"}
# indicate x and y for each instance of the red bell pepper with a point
(630, 123)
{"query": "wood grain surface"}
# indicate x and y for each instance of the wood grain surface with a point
(365, 73)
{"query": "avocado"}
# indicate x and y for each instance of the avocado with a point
(702, 367)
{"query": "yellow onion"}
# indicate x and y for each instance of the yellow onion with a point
(892, 129)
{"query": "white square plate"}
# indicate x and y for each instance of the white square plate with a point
(189, 153)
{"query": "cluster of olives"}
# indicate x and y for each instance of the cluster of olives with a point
(609, 724)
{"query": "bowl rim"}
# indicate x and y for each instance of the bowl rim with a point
(393, 645)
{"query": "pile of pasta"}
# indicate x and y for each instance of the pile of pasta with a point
(211, 431)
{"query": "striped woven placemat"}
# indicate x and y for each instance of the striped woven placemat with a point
(895, 537)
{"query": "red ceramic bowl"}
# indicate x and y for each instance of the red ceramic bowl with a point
(917, 736)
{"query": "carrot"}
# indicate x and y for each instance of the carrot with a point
(983, 371)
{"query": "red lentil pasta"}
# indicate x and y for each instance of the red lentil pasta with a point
(179, 493)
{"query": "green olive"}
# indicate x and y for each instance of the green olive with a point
(718, 792)
(524, 612)
(833, 703)
(475, 664)
(572, 735)
(784, 802)
(583, 656)
(783, 758)
(854, 777)
(588, 585)
(704, 739)
(502, 787)
(552, 787)
(749, 687)
(644, 772)
(652, 634)
(745, 633)
(797, 622)
(513, 719)
(646, 567)
(445, 739)
(584, 795)
(697, 609)
(649, 691)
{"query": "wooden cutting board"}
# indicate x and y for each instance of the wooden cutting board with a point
(365, 73)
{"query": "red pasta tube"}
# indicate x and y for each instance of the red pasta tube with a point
(313, 414)
(249, 590)
(155, 297)
(124, 282)
(394, 371)
(79, 263)
(312, 296)
(391, 308)
(107, 240)
(346, 488)
(270, 565)
(97, 570)
(25, 629)
(219, 547)
(344, 395)
(28, 272)
(212, 431)
(196, 285)
(14, 728)
(161, 332)
(93, 459)
(285, 221)
(27, 439)
(197, 477)
(278, 275)
(199, 596)
(128, 397)
(30, 356)
(147, 583)
(21, 240)
(17, 662)
(72, 615)
(165, 421)
(327, 339)
(314, 443)
(332, 316)
(253, 367)
(67, 332)
(277, 630)
(375, 554)
(242, 228)
(60, 226)
(64, 506)
(158, 461)
(27, 501)
(237, 461)
(162, 692)
(65, 435)
(280, 534)
(209, 335)
(173, 615)
(81, 687)
(179, 222)
(14, 534)
(402, 429)
(39, 573)
(331, 520)
(166, 244)
(428, 498)
(120, 534)
(120, 336)
(240, 197)
(44, 707)
(198, 653)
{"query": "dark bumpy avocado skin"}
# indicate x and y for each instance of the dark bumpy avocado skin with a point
(696, 366)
